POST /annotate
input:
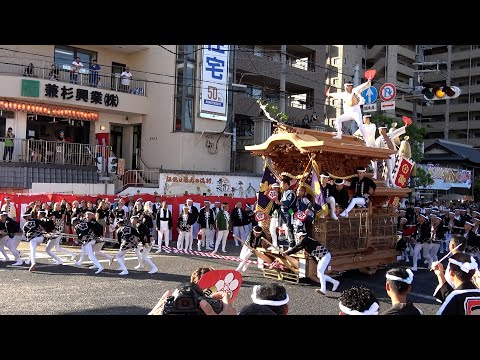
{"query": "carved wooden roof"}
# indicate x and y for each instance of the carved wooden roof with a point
(290, 150)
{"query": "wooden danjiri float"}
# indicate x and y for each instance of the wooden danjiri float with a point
(366, 239)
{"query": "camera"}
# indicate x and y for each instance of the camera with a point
(185, 300)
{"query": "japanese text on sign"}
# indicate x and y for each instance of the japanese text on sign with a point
(67, 93)
(213, 99)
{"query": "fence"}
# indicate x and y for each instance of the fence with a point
(52, 152)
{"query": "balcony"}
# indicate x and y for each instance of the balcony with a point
(52, 152)
(43, 70)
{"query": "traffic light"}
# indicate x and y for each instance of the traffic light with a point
(112, 165)
(99, 164)
(441, 92)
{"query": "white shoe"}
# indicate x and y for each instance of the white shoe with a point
(158, 251)
(124, 272)
(78, 263)
(223, 251)
(337, 137)
(139, 267)
(19, 262)
(58, 262)
(27, 262)
(335, 286)
(334, 216)
(100, 269)
(73, 257)
(344, 214)
(209, 248)
(413, 268)
(93, 267)
(236, 244)
(214, 252)
(153, 271)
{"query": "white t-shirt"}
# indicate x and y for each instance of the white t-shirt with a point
(76, 66)
(126, 77)
(11, 210)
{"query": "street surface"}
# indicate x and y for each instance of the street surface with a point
(71, 290)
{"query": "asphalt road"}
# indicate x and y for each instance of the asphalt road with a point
(71, 290)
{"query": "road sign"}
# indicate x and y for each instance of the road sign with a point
(369, 107)
(370, 95)
(388, 91)
(387, 105)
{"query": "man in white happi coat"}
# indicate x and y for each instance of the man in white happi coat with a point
(352, 99)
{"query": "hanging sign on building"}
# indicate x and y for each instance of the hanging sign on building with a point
(213, 96)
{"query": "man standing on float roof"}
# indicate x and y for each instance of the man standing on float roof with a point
(352, 99)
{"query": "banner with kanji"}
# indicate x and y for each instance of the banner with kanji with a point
(266, 193)
(402, 175)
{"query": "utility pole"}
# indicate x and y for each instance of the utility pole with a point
(447, 107)
(233, 151)
(283, 75)
(356, 82)
(418, 58)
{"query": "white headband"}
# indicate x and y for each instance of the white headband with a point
(466, 266)
(408, 280)
(372, 311)
(267, 302)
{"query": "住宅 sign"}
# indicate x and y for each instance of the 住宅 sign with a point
(214, 96)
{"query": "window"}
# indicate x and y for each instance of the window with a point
(258, 50)
(185, 88)
(335, 82)
(64, 56)
(336, 61)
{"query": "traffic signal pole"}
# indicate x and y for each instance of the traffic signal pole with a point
(447, 107)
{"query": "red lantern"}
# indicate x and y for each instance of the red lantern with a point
(48, 112)
(9, 105)
(29, 107)
(23, 107)
(14, 106)
(37, 108)
(62, 112)
(54, 112)
(2, 104)
(44, 109)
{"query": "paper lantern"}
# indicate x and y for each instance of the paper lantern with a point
(15, 106)
(2, 103)
(23, 107)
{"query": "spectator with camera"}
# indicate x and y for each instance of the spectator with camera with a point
(8, 145)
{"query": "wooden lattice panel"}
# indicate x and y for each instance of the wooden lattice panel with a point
(384, 230)
(345, 234)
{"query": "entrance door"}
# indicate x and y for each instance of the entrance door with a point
(116, 136)
(117, 69)
(137, 145)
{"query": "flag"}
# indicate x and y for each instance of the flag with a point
(401, 176)
(265, 201)
(312, 185)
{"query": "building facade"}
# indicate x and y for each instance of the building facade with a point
(393, 63)
(150, 120)
(259, 68)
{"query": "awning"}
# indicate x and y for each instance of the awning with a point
(440, 184)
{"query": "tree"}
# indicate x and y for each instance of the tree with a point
(423, 178)
(476, 189)
(415, 133)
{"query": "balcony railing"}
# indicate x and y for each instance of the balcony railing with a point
(147, 178)
(44, 70)
(54, 152)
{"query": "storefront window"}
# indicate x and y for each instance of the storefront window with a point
(47, 128)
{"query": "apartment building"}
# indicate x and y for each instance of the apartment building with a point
(393, 63)
(259, 68)
(457, 119)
